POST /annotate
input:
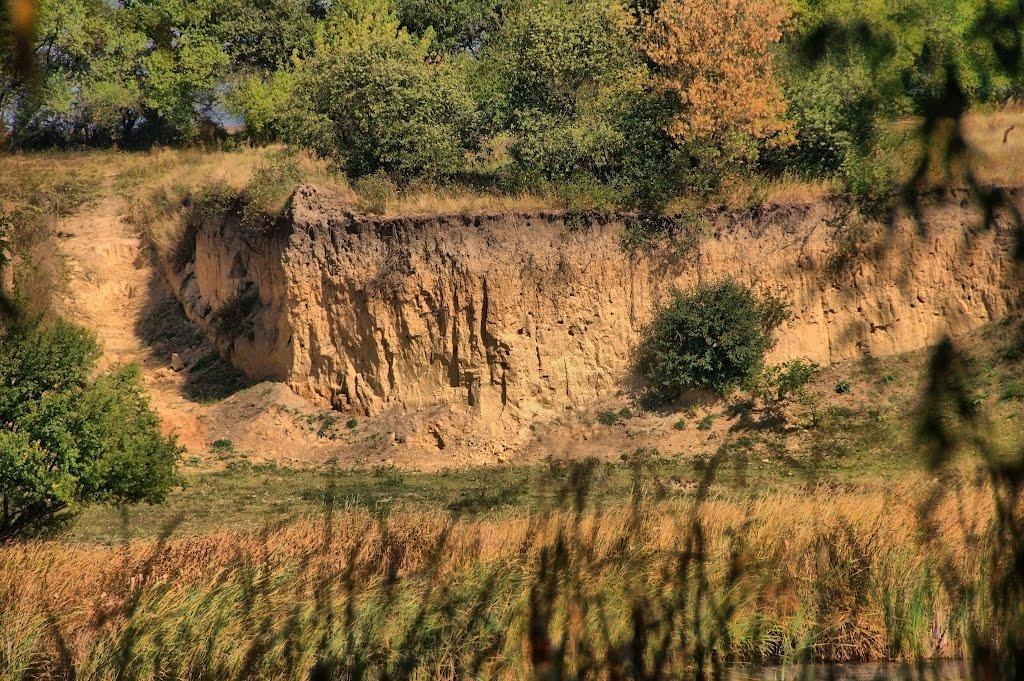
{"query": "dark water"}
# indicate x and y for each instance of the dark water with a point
(932, 671)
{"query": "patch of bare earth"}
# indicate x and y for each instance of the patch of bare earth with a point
(114, 290)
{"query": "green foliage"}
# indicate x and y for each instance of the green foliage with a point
(713, 338)
(456, 25)
(182, 65)
(781, 382)
(260, 35)
(561, 97)
(113, 73)
(266, 103)
(375, 192)
(567, 83)
(851, 67)
(265, 195)
(608, 418)
(843, 387)
(87, 85)
(376, 98)
(1012, 389)
(222, 446)
(68, 439)
(146, 71)
(551, 58)
(706, 423)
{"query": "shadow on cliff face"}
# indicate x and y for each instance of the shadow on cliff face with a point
(166, 330)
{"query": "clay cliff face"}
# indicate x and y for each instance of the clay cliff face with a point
(509, 318)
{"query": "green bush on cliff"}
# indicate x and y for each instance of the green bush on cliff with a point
(712, 338)
(68, 437)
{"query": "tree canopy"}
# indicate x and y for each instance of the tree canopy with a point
(628, 102)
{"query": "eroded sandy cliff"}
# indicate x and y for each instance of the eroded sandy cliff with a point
(504, 319)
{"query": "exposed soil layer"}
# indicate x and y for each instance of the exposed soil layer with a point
(463, 332)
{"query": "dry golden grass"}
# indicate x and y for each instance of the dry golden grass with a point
(36, 191)
(155, 183)
(838, 576)
(995, 140)
(467, 201)
(155, 186)
(746, 191)
(160, 191)
(998, 138)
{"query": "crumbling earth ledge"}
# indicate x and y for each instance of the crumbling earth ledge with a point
(507, 318)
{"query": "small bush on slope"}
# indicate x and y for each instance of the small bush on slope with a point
(67, 438)
(713, 338)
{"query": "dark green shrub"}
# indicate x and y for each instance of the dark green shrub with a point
(267, 103)
(376, 192)
(68, 438)
(712, 338)
(1014, 346)
(266, 194)
(843, 387)
(566, 81)
(222, 447)
(457, 25)
(377, 98)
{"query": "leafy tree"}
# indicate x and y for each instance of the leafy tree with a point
(261, 35)
(851, 67)
(712, 338)
(716, 59)
(183, 64)
(10, 74)
(567, 83)
(375, 97)
(456, 25)
(68, 439)
(551, 56)
(82, 80)
(141, 70)
(269, 106)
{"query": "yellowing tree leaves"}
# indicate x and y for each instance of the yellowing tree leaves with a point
(716, 56)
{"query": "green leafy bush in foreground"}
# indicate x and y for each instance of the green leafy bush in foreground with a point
(712, 338)
(68, 437)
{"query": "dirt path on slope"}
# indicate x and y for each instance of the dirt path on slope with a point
(114, 289)
(111, 287)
